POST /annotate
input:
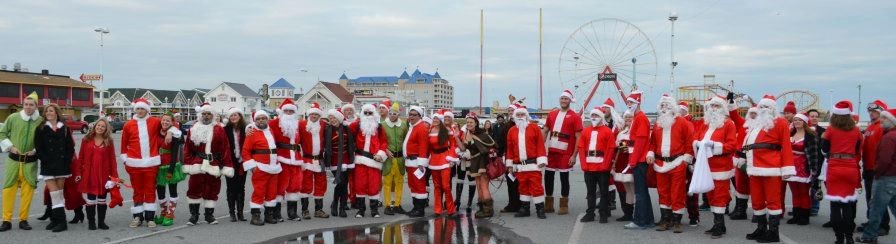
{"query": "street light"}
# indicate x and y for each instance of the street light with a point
(634, 81)
(672, 18)
(102, 31)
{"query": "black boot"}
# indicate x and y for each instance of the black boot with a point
(676, 223)
(210, 216)
(613, 200)
(59, 215)
(740, 209)
(627, 210)
(343, 205)
(665, 220)
(374, 208)
(589, 212)
(472, 189)
(269, 215)
(47, 212)
(524, 210)
(334, 207)
(458, 191)
(388, 211)
(718, 227)
(194, 214)
(91, 217)
(278, 212)
(79, 216)
(256, 217)
(292, 211)
(539, 211)
(231, 209)
(417, 211)
(359, 203)
(804, 216)
(771, 236)
(240, 206)
(53, 222)
(5, 226)
(795, 212)
(761, 228)
(101, 216)
(150, 217)
(305, 213)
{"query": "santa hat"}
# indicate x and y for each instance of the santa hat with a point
(790, 107)
(348, 106)
(205, 107)
(287, 105)
(889, 115)
(233, 110)
(260, 113)
(427, 119)
(684, 105)
(666, 100)
(634, 97)
(609, 103)
(719, 100)
(768, 101)
(518, 108)
(472, 115)
(448, 113)
(385, 103)
(439, 115)
(802, 117)
(598, 111)
(315, 109)
(877, 105)
(418, 109)
(842, 108)
(567, 94)
(335, 112)
(138, 103)
(369, 108)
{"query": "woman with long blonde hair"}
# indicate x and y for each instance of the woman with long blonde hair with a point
(94, 169)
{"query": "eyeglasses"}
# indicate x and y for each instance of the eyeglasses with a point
(368, 113)
(874, 106)
(393, 114)
(413, 115)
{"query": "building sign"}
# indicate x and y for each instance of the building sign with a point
(363, 92)
(91, 77)
(606, 77)
(223, 98)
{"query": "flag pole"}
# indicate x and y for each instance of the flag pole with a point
(540, 76)
(481, 48)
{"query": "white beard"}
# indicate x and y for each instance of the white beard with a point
(765, 119)
(289, 125)
(201, 133)
(618, 121)
(666, 119)
(715, 118)
(369, 125)
(312, 127)
(520, 122)
(597, 122)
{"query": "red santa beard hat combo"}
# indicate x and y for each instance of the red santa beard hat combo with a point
(233, 110)
(600, 113)
(618, 120)
(684, 106)
(519, 108)
(634, 97)
(720, 114)
(315, 109)
(889, 115)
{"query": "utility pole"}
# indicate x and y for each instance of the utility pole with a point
(672, 18)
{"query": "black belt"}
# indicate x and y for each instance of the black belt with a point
(208, 156)
(294, 147)
(396, 154)
(264, 151)
(23, 158)
(669, 159)
(364, 153)
(768, 146)
(740, 154)
(559, 135)
(311, 156)
(527, 161)
(842, 156)
(441, 150)
(412, 157)
(593, 153)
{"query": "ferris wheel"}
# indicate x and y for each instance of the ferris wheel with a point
(804, 100)
(607, 58)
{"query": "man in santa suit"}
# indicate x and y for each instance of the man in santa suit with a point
(260, 154)
(720, 137)
(642, 218)
(562, 129)
(370, 152)
(741, 179)
(206, 157)
(289, 153)
(596, 151)
(416, 154)
(671, 152)
(314, 180)
(140, 153)
(769, 159)
(526, 159)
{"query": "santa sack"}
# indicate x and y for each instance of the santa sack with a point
(701, 179)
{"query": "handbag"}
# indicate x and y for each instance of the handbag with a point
(495, 168)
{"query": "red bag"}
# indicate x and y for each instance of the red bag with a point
(495, 167)
(651, 176)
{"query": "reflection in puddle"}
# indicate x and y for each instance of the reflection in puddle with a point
(458, 229)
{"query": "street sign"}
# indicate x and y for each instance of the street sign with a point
(91, 77)
(607, 76)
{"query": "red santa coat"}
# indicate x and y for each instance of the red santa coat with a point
(221, 163)
(288, 149)
(724, 139)
(561, 130)
(140, 142)
(843, 176)
(873, 134)
(524, 146)
(254, 157)
(440, 155)
(416, 145)
(672, 142)
(597, 146)
(640, 136)
(367, 146)
(94, 164)
(768, 162)
(312, 144)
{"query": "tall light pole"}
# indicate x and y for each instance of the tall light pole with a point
(672, 18)
(634, 81)
(102, 31)
(860, 108)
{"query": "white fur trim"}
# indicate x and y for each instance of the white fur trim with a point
(227, 172)
(525, 198)
(775, 211)
(887, 115)
(852, 198)
(543, 160)
(5, 145)
(313, 167)
(292, 197)
(717, 210)
(209, 204)
(175, 132)
(210, 169)
(142, 163)
(452, 159)
(137, 209)
(508, 162)
(667, 166)
(717, 148)
(419, 195)
(760, 211)
(527, 167)
(538, 199)
(760, 171)
(191, 169)
(840, 111)
(679, 211)
(255, 205)
(369, 162)
(741, 195)
(297, 162)
(141, 104)
(439, 167)
(420, 161)
(798, 179)
(662, 206)
(620, 177)
(724, 175)
(271, 203)
(557, 170)
(249, 165)
(194, 200)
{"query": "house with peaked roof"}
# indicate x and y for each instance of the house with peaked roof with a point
(178, 101)
(279, 91)
(427, 90)
(233, 95)
(327, 95)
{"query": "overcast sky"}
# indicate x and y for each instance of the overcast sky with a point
(765, 46)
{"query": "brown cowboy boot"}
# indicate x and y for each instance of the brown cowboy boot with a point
(564, 206)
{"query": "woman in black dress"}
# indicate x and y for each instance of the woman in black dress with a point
(55, 149)
(236, 185)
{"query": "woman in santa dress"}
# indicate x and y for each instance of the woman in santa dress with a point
(622, 176)
(843, 142)
(806, 156)
(94, 170)
(441, 142)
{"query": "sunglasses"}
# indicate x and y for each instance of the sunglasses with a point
(368, 113)
(874, 106)
(393, 114)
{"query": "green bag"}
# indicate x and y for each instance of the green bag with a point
(167, 176)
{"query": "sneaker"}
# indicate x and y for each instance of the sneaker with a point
(694, 222)
(136, 223)
(633, 226)
(151, 224)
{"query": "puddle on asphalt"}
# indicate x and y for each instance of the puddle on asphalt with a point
(459, 229)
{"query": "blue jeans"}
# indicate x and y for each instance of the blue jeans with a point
(815, 205)
(643, 214)
(883, 195)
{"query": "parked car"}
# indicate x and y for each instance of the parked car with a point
(116, 124)
(75, 124)
(186, 126)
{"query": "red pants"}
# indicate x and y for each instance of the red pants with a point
(289, 183)
(144, 182)
(672, 189)
(314, 183)
(203, 186)
(720, 196)
(441, 179)
(530, 186)
(416, 185)
(766, 194)
(264, 189)
(800, 194)
(741, 184)
(367, 181)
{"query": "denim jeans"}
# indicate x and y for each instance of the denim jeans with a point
(868, 178)
(883, 195)
(643, 215)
